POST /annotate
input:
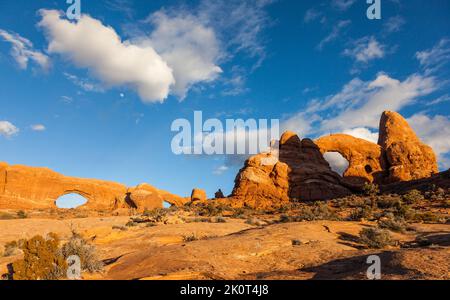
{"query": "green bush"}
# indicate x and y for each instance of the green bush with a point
(371, 189)
(412, 197)
(21, 214)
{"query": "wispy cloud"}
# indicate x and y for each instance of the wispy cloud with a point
(342, 5)
(394, 24)
(38, 127)
(22, 50)
(85, 84)
(334, 34)
(220, 170)
(435, 58)
(311, 15)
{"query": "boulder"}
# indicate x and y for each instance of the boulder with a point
(407, 157)
(198, 195)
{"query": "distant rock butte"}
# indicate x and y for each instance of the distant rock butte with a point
(302, 173)
(23, 187)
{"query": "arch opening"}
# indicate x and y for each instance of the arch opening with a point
(337, 162)
(71, 201)
(167, 204)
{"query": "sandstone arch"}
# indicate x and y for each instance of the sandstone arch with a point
(366, 163)
(23, 187)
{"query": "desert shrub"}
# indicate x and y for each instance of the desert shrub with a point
(405, 212)
(78, 246)
(6, 216)
(375, 238)
(412, 197)
(318, 211)
(365, 212)
(21, 214)
(371, 189)
(12, 248)
(428, 217)
(190, 238)
(389, 202)
(158, 215)
(132, 224)
(218, 220)
(255, 222)
(392, 223)
(42, 260)
(120, 227)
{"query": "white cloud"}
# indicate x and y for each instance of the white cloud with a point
(220, 170)
(365, 50)
(434, 131)
(92, 45)
(23, 52)
(38, 127)
(361, 103)
(363, 133)
(190, 48)
(7, 129)
(337, 162)
(357, 108)
(66, 99)
(394, 24)
(342, 4)
(334, 34)
(435, 58)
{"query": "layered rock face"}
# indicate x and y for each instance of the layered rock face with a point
(23, 187)
(408, 158)
(366, 162)
(301, 173)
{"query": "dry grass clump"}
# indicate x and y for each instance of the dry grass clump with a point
(393, 223)
(86, 252)
(375, 238)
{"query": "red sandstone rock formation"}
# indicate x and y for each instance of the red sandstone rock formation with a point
(366, 163)
(408, 158)
(303, 174)
(399, 155)
(300, 174)
(199, 195)
(23, 187)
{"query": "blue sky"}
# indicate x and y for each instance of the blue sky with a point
(96, 98)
